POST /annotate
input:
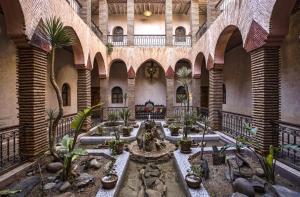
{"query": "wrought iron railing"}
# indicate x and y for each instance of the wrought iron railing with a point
(179, 111)
(114, 110)
(233, 124)
(289, 134)
(97, 31)
(204, 111)
(75, 5)
(183, 41)
(201, 31)
(9, 148)
(149, 40)
(117, 40)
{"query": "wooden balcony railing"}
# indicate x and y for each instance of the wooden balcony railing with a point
(182, 41)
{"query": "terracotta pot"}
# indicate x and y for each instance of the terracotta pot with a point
(193, 181)
(119, 148)
(126, 131)
(109, 181)
(175, 131)
(185, 146)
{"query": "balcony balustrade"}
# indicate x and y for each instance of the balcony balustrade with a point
(97, 31)
(201, 31)
(75, 5)
(149, 40)
(182, 41)
(117, 40)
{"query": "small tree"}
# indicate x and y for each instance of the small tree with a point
(54, 31)
(206, 126)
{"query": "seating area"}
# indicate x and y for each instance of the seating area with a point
(150, 110)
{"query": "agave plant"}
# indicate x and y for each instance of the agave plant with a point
(54, 31)
(124, 115)
(70, 153)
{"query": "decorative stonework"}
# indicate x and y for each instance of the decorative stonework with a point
(131, 73)
(256, 37)
(131, 96)
(265, 68)
(31, 84)
(170, 74)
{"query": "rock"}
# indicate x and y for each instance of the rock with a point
(51, 178)
(259, 172)
(258, 187)
(95, 164)
(244, 172)
(141, 192)
(237, 194)
(54, 167)
(155, 173)
(67, 194)
(26, 185)
(150, 181)
(142, 172)
(161, 187)
(285, 192)
(65, 186)
(83, 180)
(153, 193)
(49, 186)
(243, 186)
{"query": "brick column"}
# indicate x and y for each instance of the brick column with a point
(31, 86)
(196, 92)
(86, 11)
(265, 66)
(170, 92)
(131, 91)
(130, 22)
(216, 96)
(104, 93)
(168, 23)
(212, 12)
(103, 19)
(194, 19)
(84, 92)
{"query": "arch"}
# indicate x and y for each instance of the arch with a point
(66, 94)
(114, 61)
(181, 63)
(116, 95)
(279, 21)
(222, 43)
(180, 33)
(13, 15)
(118, 33)
(199, 62)
(180, 93)
(99, 62)
(153, 60)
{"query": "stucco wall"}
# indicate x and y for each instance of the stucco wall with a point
(65, 73)
(146, 89)
(290, 69)
(148, 25)
(237, 79)
(117, 77)
(8, 79)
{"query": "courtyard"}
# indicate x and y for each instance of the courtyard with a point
(134, 98)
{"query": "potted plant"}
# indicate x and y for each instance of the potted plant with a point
(110, 179)
(116, 146)
(112, 118)
(194, 177)
(110, 48)
(124, 115)
(174, 129)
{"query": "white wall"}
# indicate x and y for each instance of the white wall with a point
(237, 78)
(65, 73)
(290, 73)
(8, 79)
(154, 24)
(154, 90)
(117, 77)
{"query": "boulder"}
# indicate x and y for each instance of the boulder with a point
(243, 186)
(54, 167)
(285, 192)
(258, 186)
(237, 194)
(26, 185)
(49, 186)
(153, 193)
(259, 172)
(95, 164)
(65, 186)
(150, 181)
(83, 180)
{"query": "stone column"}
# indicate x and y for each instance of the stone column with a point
(84, 93)
(216, 96)
(194, 19)
(130, 22)
(168, 23)
(31, 86)
(86, 11)
(196, 92)
(212, 12)
(265, 66)
(170, 92)
(131, 91)
(104, 95)
(103, 19)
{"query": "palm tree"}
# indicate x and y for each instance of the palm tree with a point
(58, 36)
(184, 78)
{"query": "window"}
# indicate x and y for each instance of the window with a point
(224, 94)
(66, 94)
(118, 34)
(180, 94)
(180, 34)
(116, 95)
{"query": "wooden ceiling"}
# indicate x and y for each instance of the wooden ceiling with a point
(157, 7)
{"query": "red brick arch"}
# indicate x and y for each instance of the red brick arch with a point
(199, 62)
(100, 63)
